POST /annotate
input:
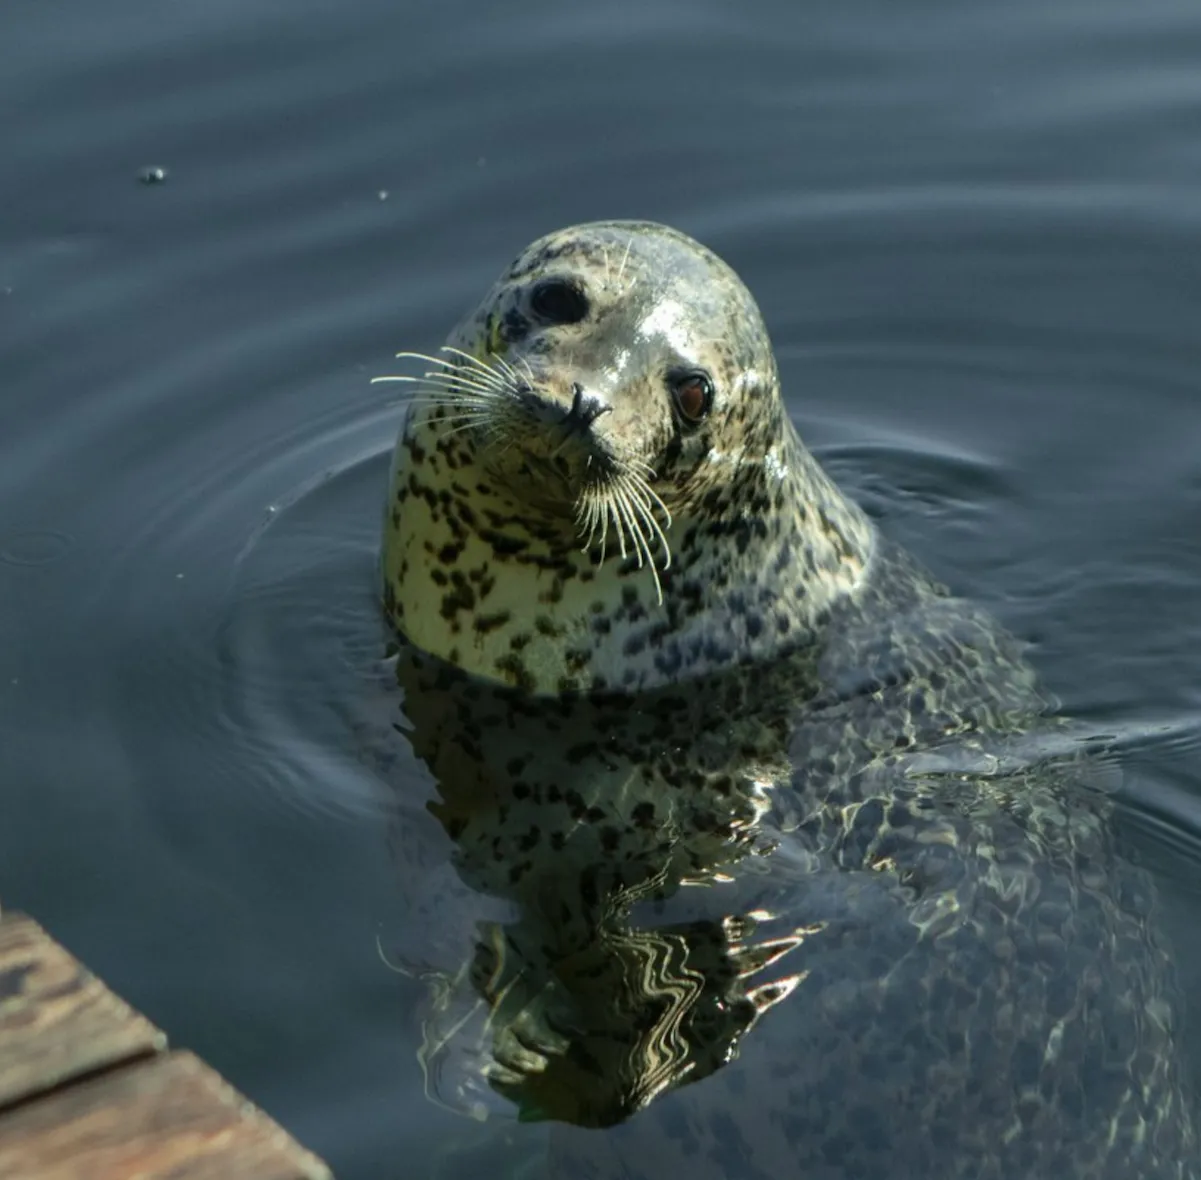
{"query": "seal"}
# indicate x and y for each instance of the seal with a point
(598, 487)
(798, 873)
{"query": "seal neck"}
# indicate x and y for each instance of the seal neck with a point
(757, 565)
(758, 576)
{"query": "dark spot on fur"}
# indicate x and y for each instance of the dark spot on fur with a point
(460, 598)
(513, 670)
(503, 544)
(514, 327)
(486, 623)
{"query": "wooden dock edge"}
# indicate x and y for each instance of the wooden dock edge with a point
(88, 1090)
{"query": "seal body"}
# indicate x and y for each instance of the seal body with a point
(599, 487)
(798, 875)
(860, 913)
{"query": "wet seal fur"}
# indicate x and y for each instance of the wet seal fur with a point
(894, 858)
(555, 523)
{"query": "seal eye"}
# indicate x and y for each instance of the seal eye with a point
(693, 393)
(558, 301)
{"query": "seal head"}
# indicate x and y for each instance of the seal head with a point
(597, 487)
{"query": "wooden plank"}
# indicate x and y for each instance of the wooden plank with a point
(169, 1116)
(57, 1020)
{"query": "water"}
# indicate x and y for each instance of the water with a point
(973, 230)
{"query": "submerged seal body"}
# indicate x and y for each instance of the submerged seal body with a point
(803, 879)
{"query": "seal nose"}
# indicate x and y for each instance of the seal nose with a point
(585, 407)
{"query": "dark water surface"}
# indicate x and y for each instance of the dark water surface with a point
(975, 232)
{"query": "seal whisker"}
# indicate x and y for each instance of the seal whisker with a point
(477, 366)
(602, 510)
(645, 510)
(637, 540)
(586, 516)
(633, 509)
(444, 365)
(625, 257)
(463, 355)
(472, 401)
(472, 404)
(420, 356)
(470, 357)
(630, 503)
(457, 385)
(450, 386)
(433, 380)
(494, 381)
(475, 403)
(592, 513)
(638, 543)
(496, 378)
(650, 494)
(454, 391)
(509, 371)
(439, 390)
(449, 371)
(645, 505)
(614, 506)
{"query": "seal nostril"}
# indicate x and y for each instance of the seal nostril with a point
(585, 407)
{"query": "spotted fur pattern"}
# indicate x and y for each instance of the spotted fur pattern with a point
(838, 899)
(482, 561)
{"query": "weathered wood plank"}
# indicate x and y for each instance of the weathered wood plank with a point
(170, 1116)
(57, 1020)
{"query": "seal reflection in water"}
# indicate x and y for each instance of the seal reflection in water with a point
(803, 880)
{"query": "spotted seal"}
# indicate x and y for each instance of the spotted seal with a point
(798, 874)
(599, 486)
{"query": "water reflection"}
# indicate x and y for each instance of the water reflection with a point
(859, 912)
(579, 813)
